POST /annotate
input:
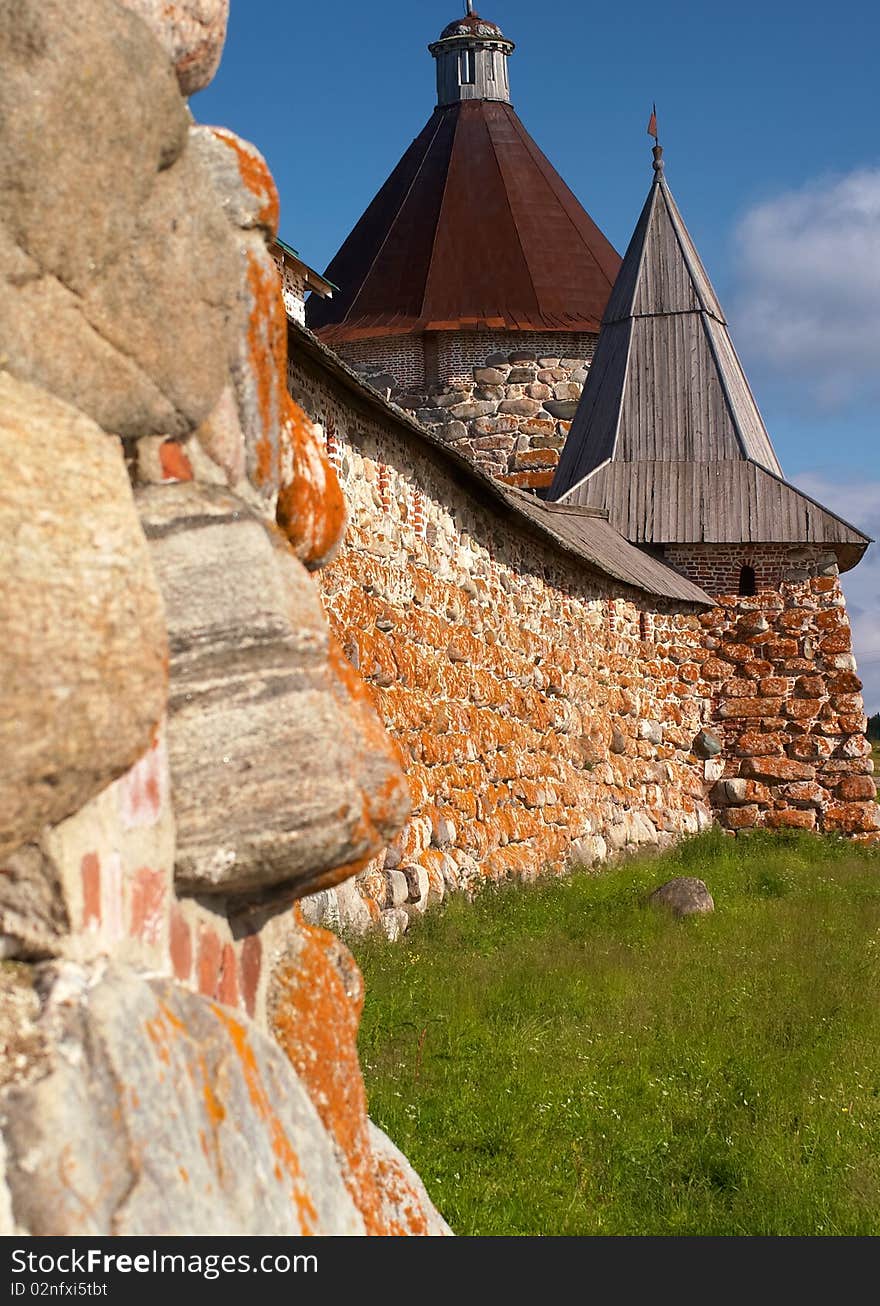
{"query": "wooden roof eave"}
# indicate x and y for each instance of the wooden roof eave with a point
(691, 507)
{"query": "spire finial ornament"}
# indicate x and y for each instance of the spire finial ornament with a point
(469, 7)
(658, 148)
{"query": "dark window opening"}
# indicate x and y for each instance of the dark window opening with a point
(467, 67)
(747, 581)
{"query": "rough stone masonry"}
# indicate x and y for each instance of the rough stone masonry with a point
(198, 766)
(544, 709)
(185, 752)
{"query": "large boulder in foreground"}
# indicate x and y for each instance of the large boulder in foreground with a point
(135, 1108)
(119, 275)
(273, 783)
(83, 649)
(191, 32)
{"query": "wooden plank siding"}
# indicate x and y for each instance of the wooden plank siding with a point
(668, 438)
(735, 501)
(678, 393)
(750, 424)
(665, 284)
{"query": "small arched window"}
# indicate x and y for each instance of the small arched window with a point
(747, 580)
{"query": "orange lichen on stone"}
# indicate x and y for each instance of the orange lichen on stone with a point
(388, 806)
(174, 462)
(529, 480)
(267, 364)
(282, 1148)
(315, 1017)
(311, 506)
(255, 177)
(854, 818)
(403, 1212)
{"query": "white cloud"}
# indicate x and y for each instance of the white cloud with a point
(808, 274)
(858, 502)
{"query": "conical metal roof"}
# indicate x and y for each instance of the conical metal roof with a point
(474, 229)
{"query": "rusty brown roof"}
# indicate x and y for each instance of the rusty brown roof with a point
(473, 229)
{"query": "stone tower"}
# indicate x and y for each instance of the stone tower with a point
(472, 288)
(669, 442)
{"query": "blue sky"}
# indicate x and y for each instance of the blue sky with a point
(769, 117)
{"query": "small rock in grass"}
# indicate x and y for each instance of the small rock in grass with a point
(684, 896)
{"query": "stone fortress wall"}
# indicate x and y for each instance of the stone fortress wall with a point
(543, 709)
(197, 767)
(503, 399)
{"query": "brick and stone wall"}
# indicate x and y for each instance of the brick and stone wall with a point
(294, 289)
(717, 568)
(390, 362)
(541, 710)
(503, 399)
(788, 708)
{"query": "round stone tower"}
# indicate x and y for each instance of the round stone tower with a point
(472, 288)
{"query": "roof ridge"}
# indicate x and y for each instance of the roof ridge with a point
(643, 223)
(680, 231)
(441, 113)
(722, 380)
(456, 112)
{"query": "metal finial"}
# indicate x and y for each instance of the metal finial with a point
(657, 151)
(470, 6)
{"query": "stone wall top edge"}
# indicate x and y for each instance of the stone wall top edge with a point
(306, 348)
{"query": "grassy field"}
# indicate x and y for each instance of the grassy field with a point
(564, 1060)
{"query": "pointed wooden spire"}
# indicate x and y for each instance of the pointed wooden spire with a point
(668, 437)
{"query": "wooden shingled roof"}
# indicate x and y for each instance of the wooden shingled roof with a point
(474, 229)
(668, 437)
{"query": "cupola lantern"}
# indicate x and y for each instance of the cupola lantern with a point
(471, 57)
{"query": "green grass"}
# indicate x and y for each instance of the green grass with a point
(561, 1059)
